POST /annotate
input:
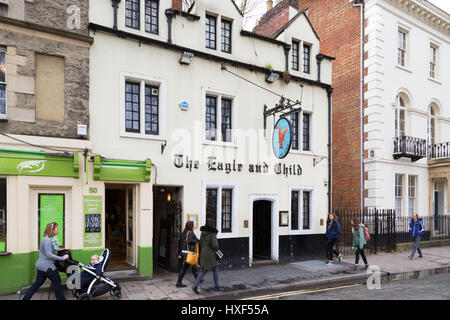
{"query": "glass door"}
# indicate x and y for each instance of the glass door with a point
(130, 225)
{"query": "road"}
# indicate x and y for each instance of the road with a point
(436, 287)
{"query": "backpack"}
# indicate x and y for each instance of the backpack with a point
(366, 234)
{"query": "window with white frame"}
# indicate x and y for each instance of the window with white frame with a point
(219, 111)
(432, 124)
(141, 108)
(400, 117)
(401, 48)
(219, 207)
(210, 32)
(306, 213)
(433, 61)
(301, 209)
(3, 83)
(306, 131)
(306, 58)
(412, 191)
(398, 195)
(294, 209)
(295, 54)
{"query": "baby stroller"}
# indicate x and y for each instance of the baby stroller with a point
(96, 287)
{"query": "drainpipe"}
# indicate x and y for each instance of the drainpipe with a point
(319, 58)
(360, 4)
(330, 195)
(170, 14)
(115, 4)
(287, 48)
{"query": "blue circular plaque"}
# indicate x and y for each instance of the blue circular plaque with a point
(281, 139)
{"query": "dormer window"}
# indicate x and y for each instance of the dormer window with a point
(295, 46)
(132, 13)
(210, 32)
(151, 16)
(306, 58)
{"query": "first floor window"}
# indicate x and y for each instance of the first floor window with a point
(398, 195)
(433, 61)
(132, 107)
(210, 32)
(306, 209)
(412, 184)
(210, 120)
(295, 55)
(306, 58)
(306, 133)
(2, 214)
(294, 210)
(401, 50)
(227, 199)
(132, 13)
(226, 120)
(294, 127)
(151, 110)
(151, 16)
(219, 112)
(226, 36)
(2, 82)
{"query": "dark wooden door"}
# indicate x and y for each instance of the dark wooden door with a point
(262, 229)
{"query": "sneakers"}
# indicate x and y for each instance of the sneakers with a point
(218, 289)
(340, 257)
(421, 256)
(410, 257)
(330, 262)
(195, 290)
(366, 267)
(180, 285)
(355, 267)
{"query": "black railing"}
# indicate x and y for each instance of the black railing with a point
(436, 227)
(381, 225)
(439, 150)
(410, 147)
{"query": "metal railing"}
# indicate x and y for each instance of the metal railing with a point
(436, 227)
(439, 150)
(405, 146)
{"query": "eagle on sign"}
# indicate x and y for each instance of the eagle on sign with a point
(281, 136)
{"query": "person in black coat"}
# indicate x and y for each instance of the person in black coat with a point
(192, 239)
(332, 234)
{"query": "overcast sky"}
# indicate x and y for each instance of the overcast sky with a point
(443, 4)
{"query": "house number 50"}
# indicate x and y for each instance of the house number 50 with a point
(92, 190)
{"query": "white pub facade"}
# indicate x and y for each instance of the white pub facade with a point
(188, 91)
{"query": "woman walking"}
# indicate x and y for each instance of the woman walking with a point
(187, 243)
(359, 242)
(416, 230)
(46, 264)
(332, 234)
(208, 261)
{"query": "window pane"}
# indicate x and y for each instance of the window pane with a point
(151, 16)
(226, 36)
(210, 124)
(2, 214)
(2, 99)
(294, 128)
(2, 66)
(294, 210)
(210, 29)
(306, 209)
(306, 58)
(151, 110)
(132, 13)
(226, 209)
(295, 55)
(226, 120)
(132, 107)
(211, 204)
(306, 135)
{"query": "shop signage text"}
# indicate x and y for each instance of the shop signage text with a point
(181, 161)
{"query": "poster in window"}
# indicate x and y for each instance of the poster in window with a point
(51, 209)
(284, 218)
(93, 221)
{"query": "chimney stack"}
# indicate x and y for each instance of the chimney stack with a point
(269, 4)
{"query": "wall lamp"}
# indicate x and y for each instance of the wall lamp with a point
(272, 77)
(186, 57)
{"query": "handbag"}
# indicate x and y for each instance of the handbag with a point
(219, 254)
(191, 257)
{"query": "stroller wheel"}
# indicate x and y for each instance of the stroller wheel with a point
(75, 294)
(116, 292)
(85, 296)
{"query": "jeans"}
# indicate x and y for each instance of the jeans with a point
(183, 270)
(330, 251)
(358, 252)
(41, 276)
(416, 247)
(202, 273)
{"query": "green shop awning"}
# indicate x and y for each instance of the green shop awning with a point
(121, 170)
(38, 163)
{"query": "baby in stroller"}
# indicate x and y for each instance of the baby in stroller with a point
(92, 281)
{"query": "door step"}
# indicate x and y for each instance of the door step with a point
(258, 263)
(125, 275)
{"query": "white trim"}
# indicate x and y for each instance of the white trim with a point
(162, 106)
(234, 208)
(274, 199)
(312, 208)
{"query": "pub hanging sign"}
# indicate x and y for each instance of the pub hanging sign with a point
(281, 139)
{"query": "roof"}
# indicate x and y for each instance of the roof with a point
(281, 5)
(434, 8)
(283, 28)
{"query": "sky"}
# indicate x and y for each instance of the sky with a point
(442, 4)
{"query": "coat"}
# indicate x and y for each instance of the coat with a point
(417, 228)
(334, 231)
(208, 247)
(192, 240)
(358, 237)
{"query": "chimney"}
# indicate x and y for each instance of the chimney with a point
(269, 4)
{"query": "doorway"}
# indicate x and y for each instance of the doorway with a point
(262, 229)
(120, 207)
(167, 228)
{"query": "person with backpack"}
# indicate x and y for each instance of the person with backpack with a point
(359, 241)
(188, 242)
(332, 234)
(416, 230)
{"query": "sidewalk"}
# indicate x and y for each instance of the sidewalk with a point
(277, 277)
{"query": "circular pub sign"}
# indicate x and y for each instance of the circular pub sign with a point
(281, 139)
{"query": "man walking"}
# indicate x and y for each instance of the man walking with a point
(416, 230)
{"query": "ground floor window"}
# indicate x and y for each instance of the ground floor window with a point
(412, 183)
(301, 209)
(219, 207)
(306, 209)
(51, 209)
(398, 195)
(2, 214)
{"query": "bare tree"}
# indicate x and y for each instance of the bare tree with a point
(252, 10)
(188, 5)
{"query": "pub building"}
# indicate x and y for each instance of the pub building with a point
(190, 117)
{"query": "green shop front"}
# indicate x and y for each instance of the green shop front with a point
(38, 187)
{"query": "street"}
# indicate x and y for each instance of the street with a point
(430, 288)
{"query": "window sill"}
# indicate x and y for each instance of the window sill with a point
(302, 152)
(403, 68)
(5, 254)
(220, 144)
(435, 80)
(142, 136)
(3, 117)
